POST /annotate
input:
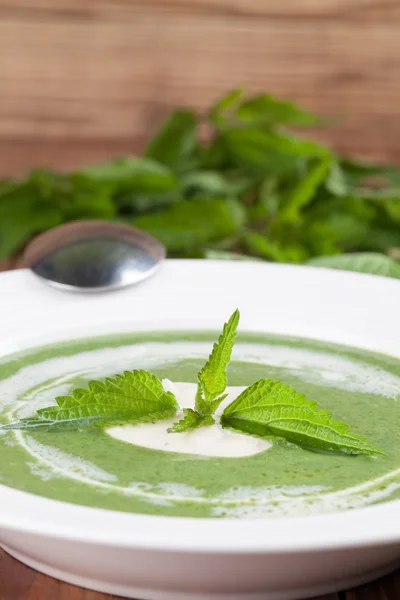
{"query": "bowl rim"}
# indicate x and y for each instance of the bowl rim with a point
(335, 292)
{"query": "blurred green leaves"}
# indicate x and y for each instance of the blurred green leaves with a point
(175, 144)
(233, 183)
(368, 262)
(190, 225)
(24, 210)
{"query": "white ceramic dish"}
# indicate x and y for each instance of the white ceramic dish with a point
(165, 558)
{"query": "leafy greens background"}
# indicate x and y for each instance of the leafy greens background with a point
(249, 189)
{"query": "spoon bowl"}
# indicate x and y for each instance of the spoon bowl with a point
(93, 256)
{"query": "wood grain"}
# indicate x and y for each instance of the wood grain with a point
(339, 9)
(100, 73)
(18, 582)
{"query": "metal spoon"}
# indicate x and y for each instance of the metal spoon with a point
(93, 256)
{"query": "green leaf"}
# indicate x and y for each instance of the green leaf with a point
(221, 109)
(304, 191)
(16, 230)
(361, 262)
(136, 173)
(213, 184)
(175, 143)
(205, 183)
(227, 244)
(260, 245)
(380, 239)
(265, 109)
(335, 224)
(23, 213)
(271, 407)
(338, 231)
(82, 199)
(266, 203)
(392, 208)
(73, 196)
(212, 378)
(133, 185)
(132, 203)
(134, 397)
(269, 151)
(215, 155)
(336, 182)
(190, 224)
(191, 420)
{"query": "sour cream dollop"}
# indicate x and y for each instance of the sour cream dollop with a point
(211, 440)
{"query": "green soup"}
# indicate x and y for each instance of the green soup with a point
(92, 468)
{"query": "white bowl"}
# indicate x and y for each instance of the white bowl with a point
(168, 558)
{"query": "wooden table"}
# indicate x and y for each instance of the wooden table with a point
(18, 582)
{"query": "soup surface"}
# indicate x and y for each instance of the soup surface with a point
(206, 473)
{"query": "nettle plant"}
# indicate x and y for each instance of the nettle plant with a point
(241, 180)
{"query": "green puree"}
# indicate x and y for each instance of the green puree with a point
(91, 468)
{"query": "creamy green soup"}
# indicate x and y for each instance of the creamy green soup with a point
(275, 478)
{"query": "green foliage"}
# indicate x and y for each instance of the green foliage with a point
(175, 144)
(212, 379)
(233, 179)
(191, 420)
(188, 224)
(271, 407)
(361, 262)
(133, 397)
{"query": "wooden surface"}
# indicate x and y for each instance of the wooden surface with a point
(84, 79)
(18, 582)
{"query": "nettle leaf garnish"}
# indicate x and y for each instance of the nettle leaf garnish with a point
(266, 408)
(271, 407)
(212, 379)
(134, 397)
(191, 420)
